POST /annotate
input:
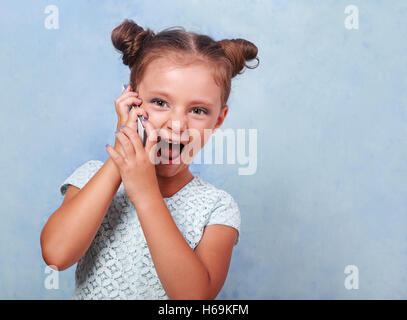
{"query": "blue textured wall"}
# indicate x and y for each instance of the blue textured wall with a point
(329, 104)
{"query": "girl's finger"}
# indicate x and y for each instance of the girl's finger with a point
(130, 100)
(130, 103)
(152, 135)
(133, 137)
(125, 95)
(121, 106)
(145, 113)
(127, 146)
(132, 118)
(116, 157)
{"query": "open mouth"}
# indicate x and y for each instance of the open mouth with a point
(169, 152)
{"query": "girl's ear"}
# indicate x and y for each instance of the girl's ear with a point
(221, 117)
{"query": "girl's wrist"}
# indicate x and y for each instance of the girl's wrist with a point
(148, 202)
(114, 172)
(151, 194)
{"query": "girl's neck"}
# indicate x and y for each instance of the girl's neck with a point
(171, 185)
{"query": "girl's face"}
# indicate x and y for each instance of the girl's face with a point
(181, 102)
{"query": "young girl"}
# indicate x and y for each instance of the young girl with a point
(142, 229)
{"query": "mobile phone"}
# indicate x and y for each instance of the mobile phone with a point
(140, 127)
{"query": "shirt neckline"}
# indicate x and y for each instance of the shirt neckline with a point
(189, 184)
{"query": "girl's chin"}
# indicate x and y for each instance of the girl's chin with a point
(168, 166)
(169, 171)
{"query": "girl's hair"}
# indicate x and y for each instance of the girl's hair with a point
(139, 47)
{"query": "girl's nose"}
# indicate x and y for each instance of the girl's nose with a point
(177, 124)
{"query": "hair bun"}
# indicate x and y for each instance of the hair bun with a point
(129, 38)
(238, 52)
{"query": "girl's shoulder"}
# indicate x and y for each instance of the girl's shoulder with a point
(209, 193)
(207, 189)
(200, 204)
(222, 207)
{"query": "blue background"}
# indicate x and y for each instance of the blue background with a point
(329, 104)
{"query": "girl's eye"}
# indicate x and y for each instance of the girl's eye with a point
(197, 110)
(200, 110)
(159, 101)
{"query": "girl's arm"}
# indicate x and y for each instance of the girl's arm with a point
(184, 273)
(71, 229)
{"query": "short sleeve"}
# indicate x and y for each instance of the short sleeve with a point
(226, 212)
(80, 177)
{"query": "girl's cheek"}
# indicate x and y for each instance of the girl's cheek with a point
(156, 121)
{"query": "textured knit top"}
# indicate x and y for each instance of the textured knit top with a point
(118, 263)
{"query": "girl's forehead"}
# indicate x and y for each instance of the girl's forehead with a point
(192, 78)
(169, 64)
(192, 75)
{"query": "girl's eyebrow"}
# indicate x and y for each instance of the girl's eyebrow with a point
(168, 96)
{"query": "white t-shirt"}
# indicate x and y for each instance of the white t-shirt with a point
(118, 264)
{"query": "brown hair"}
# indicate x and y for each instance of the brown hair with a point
(139, 47)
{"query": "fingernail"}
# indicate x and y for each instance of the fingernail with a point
(125, 86)
(107, 145)
(122, 127)
(116, 131)
(145, 119)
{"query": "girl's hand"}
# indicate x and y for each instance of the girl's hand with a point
(137, 164)
(122, 103)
